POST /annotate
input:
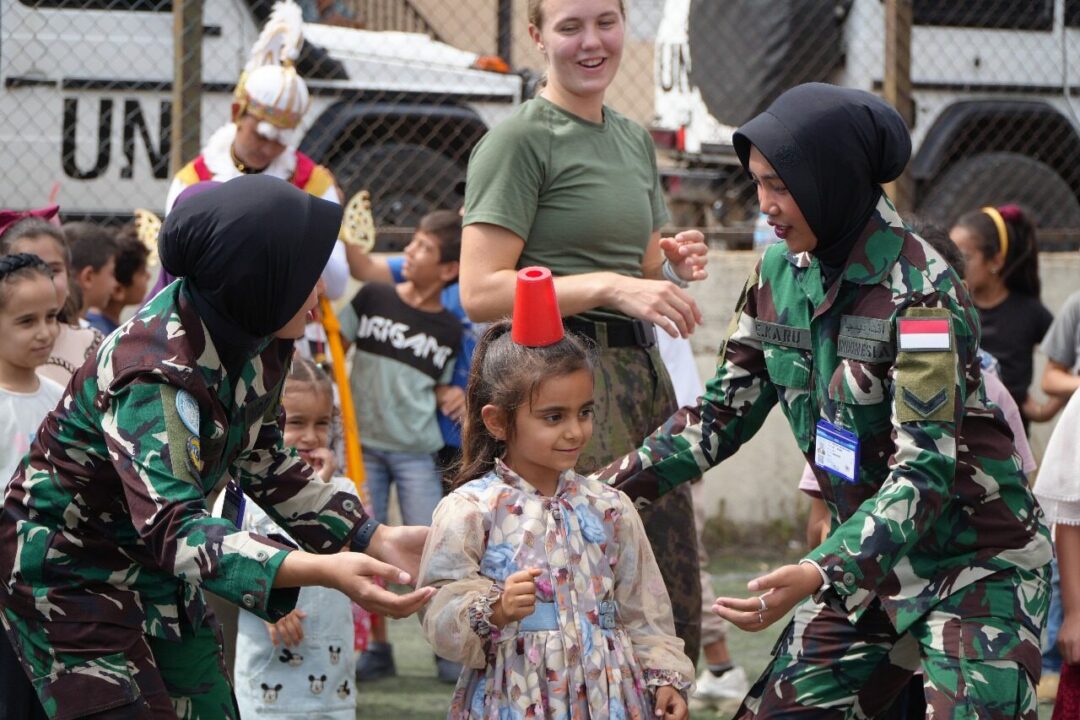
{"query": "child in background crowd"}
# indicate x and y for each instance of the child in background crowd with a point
(74, 344)
(132, 280)
(405, 350)
(93, 259)
(28, 326)
(1061, 345)
(301, 666)
(451, 397)
(1058, 492)
(548, 590)
(1002, 259)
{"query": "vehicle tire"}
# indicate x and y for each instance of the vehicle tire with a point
(405, 181)
(997, 179)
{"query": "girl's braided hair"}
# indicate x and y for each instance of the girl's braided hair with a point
(17, 267)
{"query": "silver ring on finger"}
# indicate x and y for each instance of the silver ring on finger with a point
(760, 618)
(764, 606)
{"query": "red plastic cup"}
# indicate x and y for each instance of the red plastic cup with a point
(537, 321)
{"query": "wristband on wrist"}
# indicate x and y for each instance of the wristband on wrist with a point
(668, 271)
(362, 538)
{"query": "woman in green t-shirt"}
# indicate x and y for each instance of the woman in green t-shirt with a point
(570, 184)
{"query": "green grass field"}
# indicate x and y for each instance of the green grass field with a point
(415, 694)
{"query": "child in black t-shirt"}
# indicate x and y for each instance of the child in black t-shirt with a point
(1002, 260)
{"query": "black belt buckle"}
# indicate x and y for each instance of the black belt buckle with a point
(644, 333)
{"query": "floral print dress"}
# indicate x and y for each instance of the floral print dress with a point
(607, 639)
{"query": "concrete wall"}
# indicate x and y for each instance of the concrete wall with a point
(760, 482)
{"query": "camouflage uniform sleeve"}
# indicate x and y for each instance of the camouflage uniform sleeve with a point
(158, 466)
(735, 403)
(318, 516)
(928, 389)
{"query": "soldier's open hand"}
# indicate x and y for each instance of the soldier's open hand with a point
(776, 594)
(353, 575)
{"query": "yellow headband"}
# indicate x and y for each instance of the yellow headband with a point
(1003, 230)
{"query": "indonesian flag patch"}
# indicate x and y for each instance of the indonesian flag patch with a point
(924, 335)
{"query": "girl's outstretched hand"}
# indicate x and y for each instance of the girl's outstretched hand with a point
(518, 599)
(670, 704)
(777, 593)
(352, 574)
(288, 630)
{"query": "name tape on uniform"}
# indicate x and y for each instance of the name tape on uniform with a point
(785, 335)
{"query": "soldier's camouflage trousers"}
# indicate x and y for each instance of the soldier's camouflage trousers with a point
(92, 670)
(634, 397)
(978, 650)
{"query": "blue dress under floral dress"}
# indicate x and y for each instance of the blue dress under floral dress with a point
(602, 637)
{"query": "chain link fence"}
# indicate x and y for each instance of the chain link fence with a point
(103, 100)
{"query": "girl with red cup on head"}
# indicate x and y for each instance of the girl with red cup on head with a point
(548, 591)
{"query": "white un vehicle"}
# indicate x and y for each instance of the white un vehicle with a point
(996, 95)
(85, 105)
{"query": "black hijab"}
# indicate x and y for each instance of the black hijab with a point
(833, 148)
(250, 250)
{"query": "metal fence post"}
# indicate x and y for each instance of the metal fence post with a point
(187, 81)
(504, 29)
(897, 86)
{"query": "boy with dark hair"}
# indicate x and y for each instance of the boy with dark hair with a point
(406, 344)
(93, 258)
(132, 279)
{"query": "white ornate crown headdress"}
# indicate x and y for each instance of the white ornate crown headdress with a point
(270, 89)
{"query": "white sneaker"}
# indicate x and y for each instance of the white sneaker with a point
(732, 685)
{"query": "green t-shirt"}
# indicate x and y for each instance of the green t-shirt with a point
(584, 196)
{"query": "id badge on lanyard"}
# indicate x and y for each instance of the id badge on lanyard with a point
(837, 450)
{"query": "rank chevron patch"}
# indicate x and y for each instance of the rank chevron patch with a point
(925, 408)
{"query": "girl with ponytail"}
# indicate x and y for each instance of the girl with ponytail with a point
(1002, 257)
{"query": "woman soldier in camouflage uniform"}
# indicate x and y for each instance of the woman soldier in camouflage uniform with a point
(867, 339)
(106, 539)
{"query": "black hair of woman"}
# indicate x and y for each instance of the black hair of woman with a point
(1020, 268)
(508, 375)
(20, 266)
